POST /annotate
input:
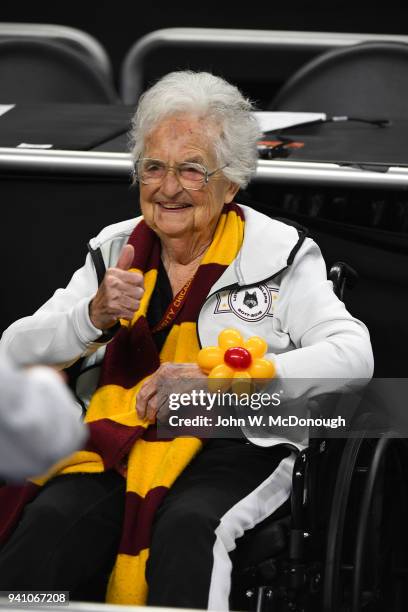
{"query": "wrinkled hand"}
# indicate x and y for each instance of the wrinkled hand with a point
(119, 294)
(148, 400)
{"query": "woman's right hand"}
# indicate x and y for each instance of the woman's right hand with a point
(152, 402)
(119, 294)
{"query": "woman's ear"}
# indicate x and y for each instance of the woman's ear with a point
(231, 192)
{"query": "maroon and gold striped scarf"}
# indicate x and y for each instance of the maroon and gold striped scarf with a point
(117, 435)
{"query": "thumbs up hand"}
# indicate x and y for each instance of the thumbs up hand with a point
(119, 294)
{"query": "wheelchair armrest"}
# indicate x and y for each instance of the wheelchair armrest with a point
(342, 275)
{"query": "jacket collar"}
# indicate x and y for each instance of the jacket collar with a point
(268, 248)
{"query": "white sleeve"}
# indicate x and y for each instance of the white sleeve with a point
(39, 421)
(60, 331)
(330, 343)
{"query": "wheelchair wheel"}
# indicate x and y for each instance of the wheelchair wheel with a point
(332, 591)
(380, 558)
(366, 554)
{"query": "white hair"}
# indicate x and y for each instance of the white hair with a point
(209, 97)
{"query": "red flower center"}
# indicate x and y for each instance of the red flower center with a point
(238, 358)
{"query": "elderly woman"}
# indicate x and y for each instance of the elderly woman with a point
(159, 517)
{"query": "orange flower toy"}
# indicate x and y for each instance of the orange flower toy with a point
(235, 360)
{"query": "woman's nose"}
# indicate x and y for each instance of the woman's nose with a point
(171, 185)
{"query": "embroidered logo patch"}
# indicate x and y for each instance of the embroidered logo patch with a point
(250, 299)
(248, 304)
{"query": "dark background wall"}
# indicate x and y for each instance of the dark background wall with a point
(118, 23)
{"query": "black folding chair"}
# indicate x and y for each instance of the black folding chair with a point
(43, 70)
(368, 80)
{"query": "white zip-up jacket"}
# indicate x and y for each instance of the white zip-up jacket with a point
(276, 288)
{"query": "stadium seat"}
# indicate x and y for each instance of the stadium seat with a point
(73, 38)
(48, 71)
(368, 80)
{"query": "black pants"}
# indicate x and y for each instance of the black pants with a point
(68, 536)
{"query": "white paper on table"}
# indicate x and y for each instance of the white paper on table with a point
(4, 108)
(270, 121)
(27, 145)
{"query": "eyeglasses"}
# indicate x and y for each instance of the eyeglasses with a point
(190, 175)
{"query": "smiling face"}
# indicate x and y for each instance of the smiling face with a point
(169, 209)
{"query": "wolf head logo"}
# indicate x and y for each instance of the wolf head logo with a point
(250, 299)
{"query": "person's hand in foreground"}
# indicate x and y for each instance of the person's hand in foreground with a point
(40, 421)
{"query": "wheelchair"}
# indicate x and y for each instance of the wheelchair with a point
(339, 543)
(333, 547)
